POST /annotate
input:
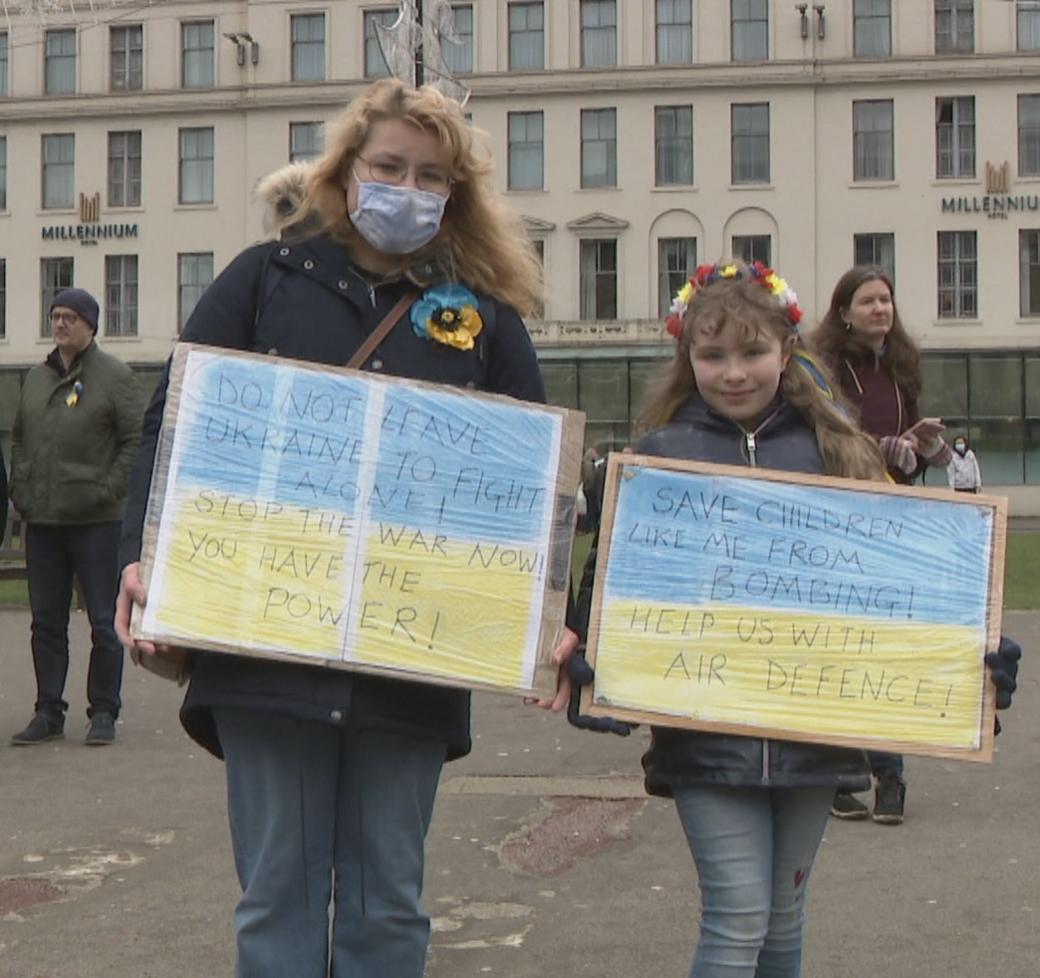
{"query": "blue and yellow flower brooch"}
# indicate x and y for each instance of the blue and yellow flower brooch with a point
(448, 314)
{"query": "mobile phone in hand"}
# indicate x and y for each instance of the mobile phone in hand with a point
(926, 429)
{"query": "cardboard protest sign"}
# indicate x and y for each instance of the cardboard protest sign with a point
(322, 515)
(802, 607)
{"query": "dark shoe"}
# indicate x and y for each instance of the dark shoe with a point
(846, 805)
(42, 727)
(889, 799)
(102, 730)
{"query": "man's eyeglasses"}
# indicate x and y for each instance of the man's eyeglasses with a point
(64, 318)
(395, 172)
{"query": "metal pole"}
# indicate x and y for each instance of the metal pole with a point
(419, 44)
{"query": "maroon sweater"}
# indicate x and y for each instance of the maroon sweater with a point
(884, 408)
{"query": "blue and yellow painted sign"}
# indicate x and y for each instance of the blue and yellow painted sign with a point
(815, 608)
(336, 517)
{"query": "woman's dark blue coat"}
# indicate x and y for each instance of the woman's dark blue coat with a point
(304, 300)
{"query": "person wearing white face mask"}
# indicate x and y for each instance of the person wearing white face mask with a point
(963, 471)
(395, 255)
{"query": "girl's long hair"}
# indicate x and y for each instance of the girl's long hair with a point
(833, 341)
(805, 384)
(482, 242)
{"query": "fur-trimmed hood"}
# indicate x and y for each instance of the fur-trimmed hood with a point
(281, 193)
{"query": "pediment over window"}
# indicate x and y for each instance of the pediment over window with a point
(535, 225)
(597, 222)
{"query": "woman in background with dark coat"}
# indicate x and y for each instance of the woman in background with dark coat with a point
(863, 341)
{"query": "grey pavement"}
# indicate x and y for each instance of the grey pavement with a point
(545, 858)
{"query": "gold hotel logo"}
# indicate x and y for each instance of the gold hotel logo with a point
(998, 178)
(90, 208)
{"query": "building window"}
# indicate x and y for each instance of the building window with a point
(458, 55)
(954, 26)
(55, 275)
(194, 276)
(750, 248)
(873, 146)
(196, 166)
(526, 36)
(994, 397)
(955, 137)
(958, 275)
(876, 249)
(1028, 135)
(872, 28)
(124, 169)
(59, 62)
(673, 145)
(1028, 25)
(3, 63)
(197, 65)
(526, 167)
(1029, 272)
(749, 143)
(599, 279)
(3, 299)
(674, 32)
(120, 295)
(598, 33)
(59, 159)
(308, 46)
(598, 148)
(306, 140)
(676, 260)
(749, 30)
(126, 58)
(375, 63)
(3, 173)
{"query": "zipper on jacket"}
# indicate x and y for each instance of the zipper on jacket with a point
(370, 287)
(750, 440)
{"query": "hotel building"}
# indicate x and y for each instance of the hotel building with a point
(637, 137)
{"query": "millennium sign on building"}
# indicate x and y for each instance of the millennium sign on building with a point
(89, 231)
(996, 202)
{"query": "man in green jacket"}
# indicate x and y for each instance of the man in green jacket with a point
(74, 440)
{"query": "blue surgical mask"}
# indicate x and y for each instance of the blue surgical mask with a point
(396, 220)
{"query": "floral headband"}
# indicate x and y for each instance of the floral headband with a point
(709, 274)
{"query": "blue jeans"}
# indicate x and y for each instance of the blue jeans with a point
(321, 815)
(754, 849)
(882, 763)
(53, 554)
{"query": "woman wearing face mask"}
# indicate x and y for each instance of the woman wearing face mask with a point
(331, 776)
(963, 471)
(863, 341)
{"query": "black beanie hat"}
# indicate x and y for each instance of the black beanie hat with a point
(79, 301)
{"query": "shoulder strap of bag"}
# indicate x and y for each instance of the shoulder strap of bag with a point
(387, 323)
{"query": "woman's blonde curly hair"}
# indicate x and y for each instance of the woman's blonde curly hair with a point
(482, 242)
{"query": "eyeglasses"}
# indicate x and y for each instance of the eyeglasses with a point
(64, 318)
(395, 172)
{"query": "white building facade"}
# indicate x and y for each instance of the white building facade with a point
(638, 137)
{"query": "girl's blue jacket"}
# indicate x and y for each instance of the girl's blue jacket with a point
(678, 758)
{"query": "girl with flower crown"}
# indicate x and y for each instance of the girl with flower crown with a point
(742, 390)
(332, 775)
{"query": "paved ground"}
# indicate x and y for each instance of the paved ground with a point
(545, 858)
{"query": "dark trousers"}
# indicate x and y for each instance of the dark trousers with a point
(53, 554)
